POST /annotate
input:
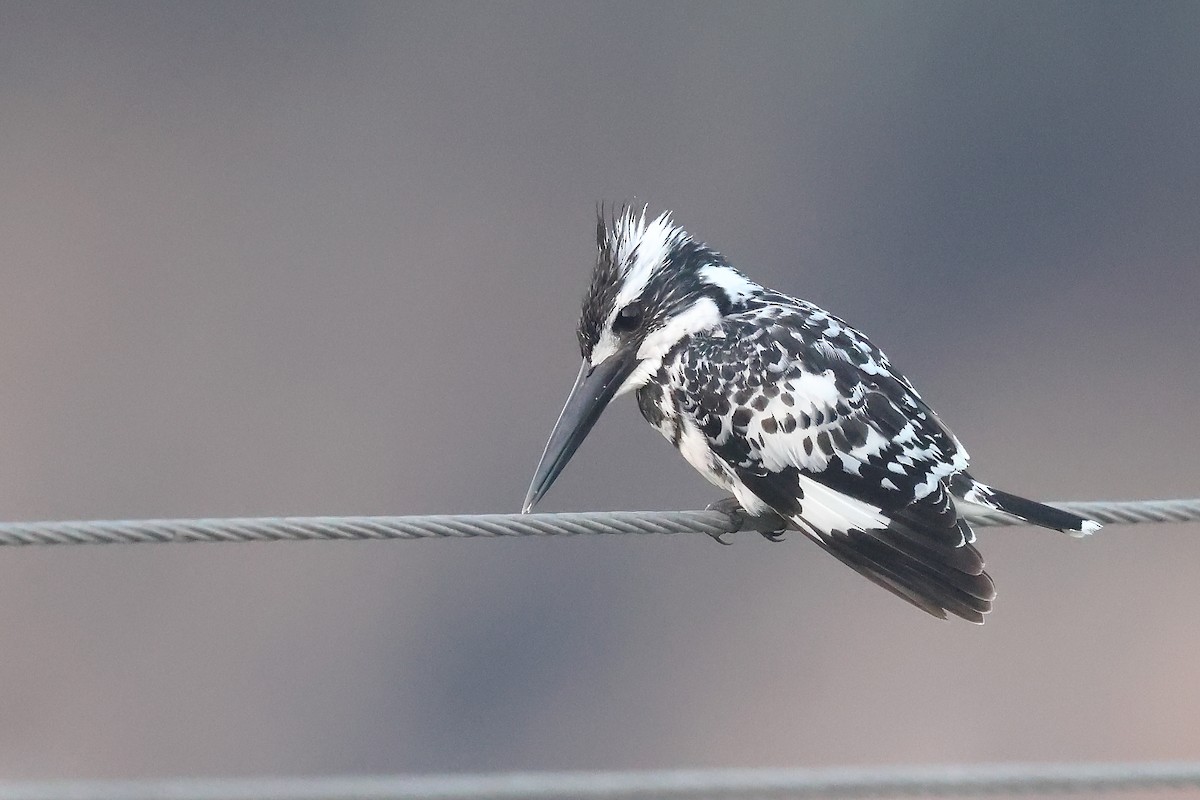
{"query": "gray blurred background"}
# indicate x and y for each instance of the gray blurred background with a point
(326, 259)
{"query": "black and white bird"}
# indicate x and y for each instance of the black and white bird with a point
(786, 406)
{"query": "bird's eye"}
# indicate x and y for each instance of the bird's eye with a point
(628, 318)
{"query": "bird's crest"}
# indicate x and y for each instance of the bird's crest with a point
(630, 249)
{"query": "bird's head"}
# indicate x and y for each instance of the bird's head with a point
(653, 286)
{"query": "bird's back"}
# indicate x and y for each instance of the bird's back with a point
(783, 383)
(810, 420)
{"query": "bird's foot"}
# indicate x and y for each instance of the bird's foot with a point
(731, 508)
(770, 525)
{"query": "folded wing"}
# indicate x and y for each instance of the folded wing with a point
(842, 446)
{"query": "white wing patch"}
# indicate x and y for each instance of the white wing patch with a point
(814, 397)
(827, 510)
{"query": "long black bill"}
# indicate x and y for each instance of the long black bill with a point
(594, 387)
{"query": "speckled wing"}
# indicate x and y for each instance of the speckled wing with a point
(812, 420)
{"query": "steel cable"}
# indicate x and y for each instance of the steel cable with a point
(728, 784)
(273, 529)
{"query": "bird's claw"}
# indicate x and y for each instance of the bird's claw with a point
(770, 525)
(731, 508)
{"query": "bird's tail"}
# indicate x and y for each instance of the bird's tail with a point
(922, 552)
(966, 488)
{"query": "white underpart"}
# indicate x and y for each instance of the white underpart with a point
(697, 451)
(735, 284)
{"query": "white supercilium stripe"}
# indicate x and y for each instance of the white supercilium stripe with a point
(645, 247)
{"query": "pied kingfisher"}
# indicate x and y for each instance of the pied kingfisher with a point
(786, 406)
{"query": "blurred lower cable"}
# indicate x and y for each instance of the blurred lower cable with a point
(727, 784)
(713, 523)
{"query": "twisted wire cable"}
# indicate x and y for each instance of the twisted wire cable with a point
(727, 784)
(272, 529)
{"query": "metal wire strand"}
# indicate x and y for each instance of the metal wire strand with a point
(273, 529)
(728, 784)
